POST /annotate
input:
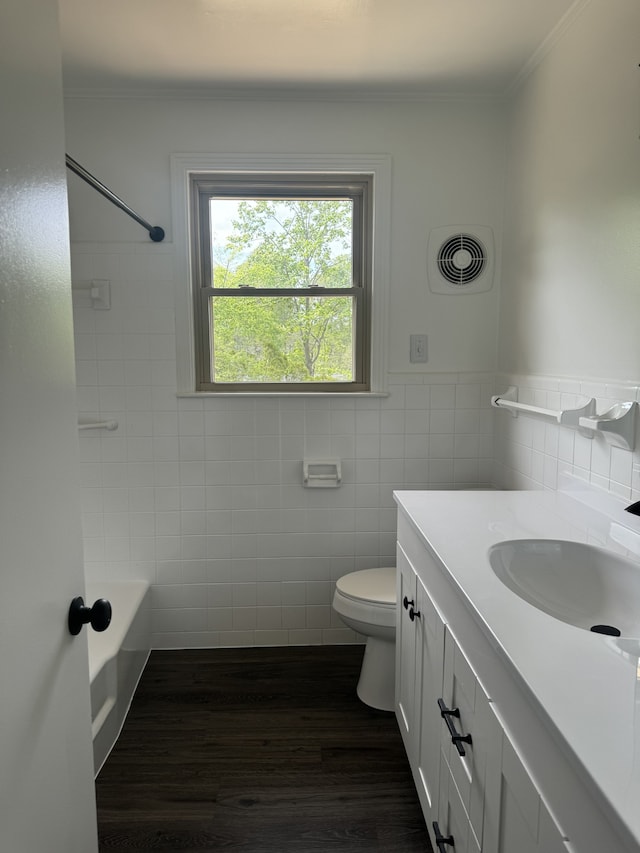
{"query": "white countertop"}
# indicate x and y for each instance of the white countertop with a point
(589, 689)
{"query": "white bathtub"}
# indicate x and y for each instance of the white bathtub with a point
(117, 658)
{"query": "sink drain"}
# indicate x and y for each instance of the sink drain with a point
(609, 630)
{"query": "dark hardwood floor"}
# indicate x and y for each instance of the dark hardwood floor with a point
(260, 751)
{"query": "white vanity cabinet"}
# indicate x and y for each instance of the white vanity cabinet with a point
(475, 791)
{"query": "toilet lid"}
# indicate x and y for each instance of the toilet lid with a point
(377, 586)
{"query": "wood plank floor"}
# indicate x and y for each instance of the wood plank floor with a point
(259, 751)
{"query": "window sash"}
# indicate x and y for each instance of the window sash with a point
(358, 188)
(360, 327)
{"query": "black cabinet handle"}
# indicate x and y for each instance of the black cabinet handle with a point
(406, 603)
(442, 840)
(414, 614)
(456, 738)
(79, 614)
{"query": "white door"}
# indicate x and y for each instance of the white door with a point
(47, 800)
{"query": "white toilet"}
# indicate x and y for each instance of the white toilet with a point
(366, 602)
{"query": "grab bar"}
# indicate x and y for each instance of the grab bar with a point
(155, 231)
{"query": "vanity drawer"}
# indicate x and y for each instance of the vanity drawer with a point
(470, 718)
(453, 821)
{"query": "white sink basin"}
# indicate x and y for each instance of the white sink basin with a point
(577, 583)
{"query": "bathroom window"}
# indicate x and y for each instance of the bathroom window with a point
(282, 281)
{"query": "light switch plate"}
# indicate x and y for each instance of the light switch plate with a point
(418, 349)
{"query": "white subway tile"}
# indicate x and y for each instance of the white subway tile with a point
(441, 446)
(243, 547)
(621, 466)
(245, 570)
(268, 619)
(163, 399)
(417, 397)
(465, 471)
(392, 421)
(217, 448)
(392, 471)
(392, 446)
(443, 396)
(318, 616)
(566, 444)
(467, 421)
(550, 476)
(191, 454)
(111, 399)
(467, 396)
(416, 422)
(319, 446)
(368, 446)
(440, 471)
(582, 451)
(415, 472)
(342, 422)
(441, 421)
(294, 616)
(308, 637)
(601, 457)
(367, 471)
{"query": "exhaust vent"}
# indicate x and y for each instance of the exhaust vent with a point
(460, 259)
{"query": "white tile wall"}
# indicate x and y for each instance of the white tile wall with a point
(530, 453)
(203, 496)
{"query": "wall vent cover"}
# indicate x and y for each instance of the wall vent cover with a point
(460, 259)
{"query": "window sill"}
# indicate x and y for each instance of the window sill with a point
(286, 394)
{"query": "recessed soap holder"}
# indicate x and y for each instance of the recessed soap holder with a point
(617, 424)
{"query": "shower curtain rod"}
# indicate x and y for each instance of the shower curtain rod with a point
(155, 231)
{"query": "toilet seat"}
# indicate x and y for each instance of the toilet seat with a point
(368, 599)
(370, 586)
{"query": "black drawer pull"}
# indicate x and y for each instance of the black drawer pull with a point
(456, 738)
(414, 614)
(442, 840)
(406, 603)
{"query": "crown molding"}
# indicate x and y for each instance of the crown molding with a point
(347, 95)
(556, 34)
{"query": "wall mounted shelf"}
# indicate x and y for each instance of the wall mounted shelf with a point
(617, 425)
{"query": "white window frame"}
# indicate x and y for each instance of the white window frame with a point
(185, 165)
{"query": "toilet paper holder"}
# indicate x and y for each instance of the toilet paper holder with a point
(321, 473)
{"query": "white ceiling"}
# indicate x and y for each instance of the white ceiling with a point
(421, 47)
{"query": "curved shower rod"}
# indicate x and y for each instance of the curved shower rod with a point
(155, 231)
